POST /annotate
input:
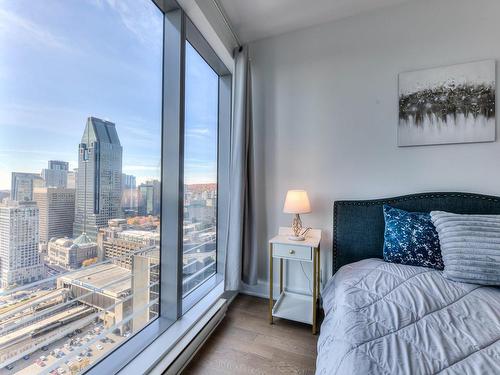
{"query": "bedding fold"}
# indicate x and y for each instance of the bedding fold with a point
(383, 318)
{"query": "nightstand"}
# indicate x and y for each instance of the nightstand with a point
(290, 305)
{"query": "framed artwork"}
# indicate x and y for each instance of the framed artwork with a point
(452, 104)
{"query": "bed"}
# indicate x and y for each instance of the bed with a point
(383, 318)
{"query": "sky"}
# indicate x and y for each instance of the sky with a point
(62, 61)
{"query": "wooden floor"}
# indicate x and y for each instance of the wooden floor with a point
(245, 343)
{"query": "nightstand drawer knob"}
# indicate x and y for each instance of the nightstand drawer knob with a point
(291, 252)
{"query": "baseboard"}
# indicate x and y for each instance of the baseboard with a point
(176, 360)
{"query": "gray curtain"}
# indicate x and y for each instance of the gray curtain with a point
(241, 253)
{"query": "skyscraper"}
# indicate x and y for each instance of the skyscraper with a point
(56, 175)
(149, 198)
(20, 260)
(129, 194)
(99, 178)
(22, 185)
(57, 212)
(71, 179)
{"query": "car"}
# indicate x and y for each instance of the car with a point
(89, 354)
(9, 367)
(45, 348)
(60, 370)
(99, 347)
(78, 330)
(43, 358)
(104, 340)
(26, 357)
(40, 363)
(79, 359)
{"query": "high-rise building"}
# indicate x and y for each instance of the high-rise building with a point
(20, 261)
(129, 194)
(71, 179)
(22, 185)
(149, 198)
(56, 175)
(99, 178)
(57, 212)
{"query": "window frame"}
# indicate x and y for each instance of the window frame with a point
(177, 29)
(194, 37)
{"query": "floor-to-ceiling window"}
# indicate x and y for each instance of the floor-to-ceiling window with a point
(200, 171)
(110, 162)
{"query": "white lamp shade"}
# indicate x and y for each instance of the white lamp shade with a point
(297, 202)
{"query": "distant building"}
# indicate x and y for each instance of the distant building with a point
(22, 185)
(20, 261)
(70, 254)
(56, 175)
(4, 194)
(200, 204)
(149, 198)
(119, 240)
(129, 195)
(71, 179)
(57, 212)
(99, 178)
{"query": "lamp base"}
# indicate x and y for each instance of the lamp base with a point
(296, 238)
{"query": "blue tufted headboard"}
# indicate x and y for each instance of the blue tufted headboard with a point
(358, 226)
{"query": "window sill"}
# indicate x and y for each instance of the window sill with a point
(134, 358)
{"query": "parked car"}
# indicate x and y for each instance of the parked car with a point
(9, 367)
(26, 357)
(99, 347)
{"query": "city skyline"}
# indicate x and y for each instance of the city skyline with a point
(48, 87)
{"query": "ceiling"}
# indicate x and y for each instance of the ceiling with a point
(257, 19)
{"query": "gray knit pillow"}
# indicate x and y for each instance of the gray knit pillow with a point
(470, 245)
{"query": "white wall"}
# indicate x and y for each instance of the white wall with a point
(325, 109)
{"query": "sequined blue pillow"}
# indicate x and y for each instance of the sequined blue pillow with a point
(410, 238)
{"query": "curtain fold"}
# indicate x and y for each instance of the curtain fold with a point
(241, 252)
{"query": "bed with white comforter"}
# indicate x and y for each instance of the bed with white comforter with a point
(383, 318)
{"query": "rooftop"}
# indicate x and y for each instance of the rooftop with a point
(110, 279)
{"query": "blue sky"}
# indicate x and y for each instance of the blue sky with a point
(62, 61)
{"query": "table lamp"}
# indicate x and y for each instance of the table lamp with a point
(297, 202)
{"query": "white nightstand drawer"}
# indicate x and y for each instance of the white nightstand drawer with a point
(292, 251)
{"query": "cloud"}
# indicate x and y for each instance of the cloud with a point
(30, 32)
(140, 17)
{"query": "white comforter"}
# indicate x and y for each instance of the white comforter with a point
(384, 318)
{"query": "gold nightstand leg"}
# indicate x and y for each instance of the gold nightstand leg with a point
(271, 302)
(315, 256)
(319, 273)
(281, 275)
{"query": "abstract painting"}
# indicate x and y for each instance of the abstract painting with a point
(453, 104)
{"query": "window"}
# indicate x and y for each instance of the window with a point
(200, 171)
(114, 144)
(80, 137)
